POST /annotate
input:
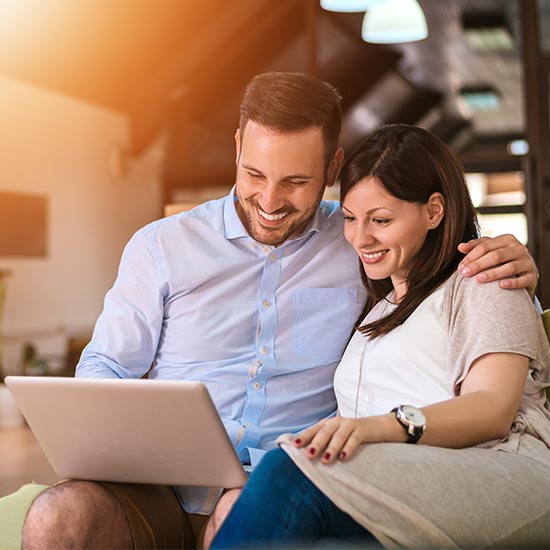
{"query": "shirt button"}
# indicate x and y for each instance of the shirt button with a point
(273, 257)
(264, 351)
(266, 303)
(249, 424)
(256, 385)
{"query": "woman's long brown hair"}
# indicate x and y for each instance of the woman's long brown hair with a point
(412, 164)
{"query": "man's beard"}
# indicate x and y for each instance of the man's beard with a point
(266, 235)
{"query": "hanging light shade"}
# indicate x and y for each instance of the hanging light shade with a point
(394, 22)
(349, 6)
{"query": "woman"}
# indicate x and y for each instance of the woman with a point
(466, 462)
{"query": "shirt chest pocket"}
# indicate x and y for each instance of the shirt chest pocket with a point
(322, 322)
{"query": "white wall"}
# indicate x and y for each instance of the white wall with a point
(58, 146)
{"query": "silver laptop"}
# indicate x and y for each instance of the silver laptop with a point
(139, 431)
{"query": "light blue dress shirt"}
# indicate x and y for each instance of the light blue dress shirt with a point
(263, 327)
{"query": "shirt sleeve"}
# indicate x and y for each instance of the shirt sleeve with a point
(484, 318)
(127, 332)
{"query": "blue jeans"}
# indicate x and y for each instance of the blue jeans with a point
(280, 507)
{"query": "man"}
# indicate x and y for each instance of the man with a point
(255, 294)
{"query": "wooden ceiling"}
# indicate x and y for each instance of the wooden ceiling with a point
(180, 67)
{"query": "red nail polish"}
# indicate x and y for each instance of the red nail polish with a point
(311, 451)
(297, 440)
(326, 456)
(343, 455)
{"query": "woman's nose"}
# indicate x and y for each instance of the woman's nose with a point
(364, 237)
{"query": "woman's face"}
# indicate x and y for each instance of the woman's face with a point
(386, 232)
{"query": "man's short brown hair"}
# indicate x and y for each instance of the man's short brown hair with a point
(290, 102)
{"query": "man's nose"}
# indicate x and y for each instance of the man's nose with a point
(272, 198)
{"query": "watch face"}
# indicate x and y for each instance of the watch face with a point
(414, 416)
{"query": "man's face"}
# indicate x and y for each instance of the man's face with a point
(280, 181)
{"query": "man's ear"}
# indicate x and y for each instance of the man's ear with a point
(334, 167)
(237, 146)
(435, 209)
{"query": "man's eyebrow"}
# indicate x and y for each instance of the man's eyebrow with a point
(289, 177)
(251, 168)
(298, 177)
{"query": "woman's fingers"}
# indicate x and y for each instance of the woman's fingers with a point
(352, 444)
(319, 443)
(330, 439)
(305, 436)
(336, 438)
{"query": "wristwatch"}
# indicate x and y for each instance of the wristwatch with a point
(413, 421)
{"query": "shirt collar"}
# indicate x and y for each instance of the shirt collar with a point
(234, 228)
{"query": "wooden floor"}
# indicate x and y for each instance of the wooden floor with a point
(21, 460)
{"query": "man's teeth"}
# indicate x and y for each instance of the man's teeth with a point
(374, 255)
(272, 217)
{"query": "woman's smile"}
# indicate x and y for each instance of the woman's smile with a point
(374, 257)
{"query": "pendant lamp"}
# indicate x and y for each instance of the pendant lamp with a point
(349, 6)
(394, 22)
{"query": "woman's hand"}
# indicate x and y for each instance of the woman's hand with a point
(501, 258)
(340, 437)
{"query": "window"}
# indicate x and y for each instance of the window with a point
(499, 198)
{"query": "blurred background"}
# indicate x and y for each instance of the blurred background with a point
(113, 110)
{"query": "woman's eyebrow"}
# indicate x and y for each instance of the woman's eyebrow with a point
(371, 211)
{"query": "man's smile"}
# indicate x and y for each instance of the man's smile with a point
(271, 217)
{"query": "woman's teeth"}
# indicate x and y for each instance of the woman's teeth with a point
(374, 255)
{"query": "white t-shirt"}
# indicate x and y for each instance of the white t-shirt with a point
(406, 366)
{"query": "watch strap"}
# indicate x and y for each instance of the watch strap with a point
(414, 433)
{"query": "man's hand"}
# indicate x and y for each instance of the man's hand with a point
(501, 258)
(218, 515)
